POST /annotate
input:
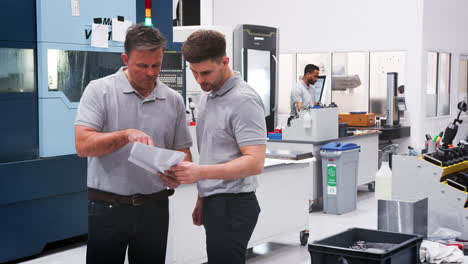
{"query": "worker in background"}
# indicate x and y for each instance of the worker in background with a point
(231, 135)
(303, 94)
(128, 206)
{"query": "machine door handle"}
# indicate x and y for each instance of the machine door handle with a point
(274, 58)
(342, 260)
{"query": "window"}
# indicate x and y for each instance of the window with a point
(70, 71)
(286, 80)
(17, 73)
(463, 79)
(382, 63)
(356, 81)
(350, 81)
(438, 84)
(258, 74)
(321, 60)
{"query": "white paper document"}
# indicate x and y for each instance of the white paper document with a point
(154, 159)
(75, 7)
(119, 29)
(100, 36)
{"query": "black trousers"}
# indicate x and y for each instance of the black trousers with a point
(229, 221)
(114, 227)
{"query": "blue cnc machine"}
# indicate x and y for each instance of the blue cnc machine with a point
(43, 195)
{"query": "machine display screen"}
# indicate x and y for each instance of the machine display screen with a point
(258, 75)
(17, 70)
(172, 71)
(70, 71)
(319, 84)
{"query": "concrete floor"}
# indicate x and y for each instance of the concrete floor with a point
(284, 250)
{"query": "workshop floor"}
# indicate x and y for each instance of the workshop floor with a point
(285, 250)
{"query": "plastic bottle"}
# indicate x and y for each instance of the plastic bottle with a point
(307, 119)
(383, 181)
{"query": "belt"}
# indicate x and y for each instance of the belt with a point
(229, 195)
(136, 199)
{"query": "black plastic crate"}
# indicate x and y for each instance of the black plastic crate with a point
(336, 249)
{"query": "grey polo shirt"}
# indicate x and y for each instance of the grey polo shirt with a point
(229, 118)
(111, 104)
(302, 93)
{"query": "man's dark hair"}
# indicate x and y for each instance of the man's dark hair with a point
(202, 45)
(310, 68)
(141, 37)
(401, 89)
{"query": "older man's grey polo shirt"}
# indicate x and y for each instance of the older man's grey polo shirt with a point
(229, 118)
(111, 104)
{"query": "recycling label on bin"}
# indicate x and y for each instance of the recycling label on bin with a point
(331, 179)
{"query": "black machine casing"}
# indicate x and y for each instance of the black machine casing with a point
(259, 38)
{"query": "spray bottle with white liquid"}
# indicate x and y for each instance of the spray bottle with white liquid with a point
(383, 177)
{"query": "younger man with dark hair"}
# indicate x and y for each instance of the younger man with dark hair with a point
(303, 94)
(231, 134)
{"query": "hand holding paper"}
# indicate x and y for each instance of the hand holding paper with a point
(168, 180)
(187, 172)
(154, 159)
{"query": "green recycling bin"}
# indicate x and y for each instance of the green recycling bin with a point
(339, 171)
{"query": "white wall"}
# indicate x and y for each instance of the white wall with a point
(286, 80)
(206, 12)
(445, 31)
(334, 25)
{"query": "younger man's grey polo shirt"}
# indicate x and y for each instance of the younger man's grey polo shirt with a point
(229, 118)
(111, 104)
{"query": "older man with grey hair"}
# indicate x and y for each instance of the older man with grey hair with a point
(128, 206)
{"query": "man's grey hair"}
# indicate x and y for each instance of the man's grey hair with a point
(141, 37)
